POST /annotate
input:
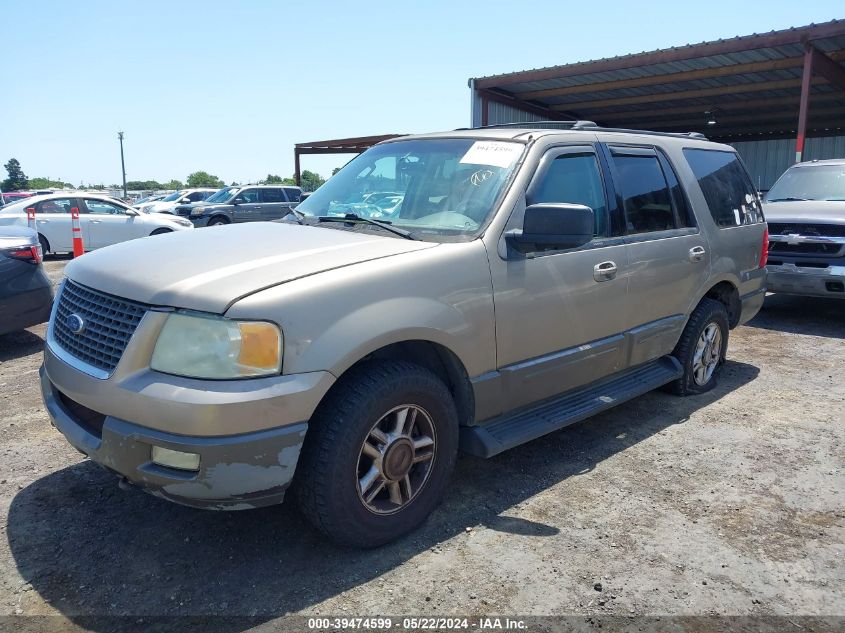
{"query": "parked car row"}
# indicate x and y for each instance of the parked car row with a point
(250, 203)
(104, 221)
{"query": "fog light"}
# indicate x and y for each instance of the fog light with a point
(175, 459)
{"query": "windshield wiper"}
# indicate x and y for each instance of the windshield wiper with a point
(787, 199)
(352, 217)
(299, 215)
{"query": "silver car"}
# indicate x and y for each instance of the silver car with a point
(528, 279)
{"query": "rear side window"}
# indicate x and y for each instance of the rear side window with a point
(645, 192)
(730, 196)
(293, 194)
(57, 205)
(272, 195)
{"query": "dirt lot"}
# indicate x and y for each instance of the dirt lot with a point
(728, 503)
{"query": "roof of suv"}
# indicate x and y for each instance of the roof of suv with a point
(520, 132)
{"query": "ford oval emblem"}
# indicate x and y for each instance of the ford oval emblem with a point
(75, 323)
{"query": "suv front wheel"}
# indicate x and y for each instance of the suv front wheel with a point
(701, 349)
(378, 454)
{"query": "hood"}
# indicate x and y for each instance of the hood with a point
(805, 211)
(209, 269)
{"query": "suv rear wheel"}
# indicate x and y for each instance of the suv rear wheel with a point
(701, 349)
(378, 454)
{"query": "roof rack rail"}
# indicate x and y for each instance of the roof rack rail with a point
(550, 125)
(599, 128)
(581, 125)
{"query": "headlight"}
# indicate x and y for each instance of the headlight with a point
(182, 222)
(147, 208)
(199, 346)
(197, 211)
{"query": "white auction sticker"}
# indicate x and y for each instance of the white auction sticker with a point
(493, 153)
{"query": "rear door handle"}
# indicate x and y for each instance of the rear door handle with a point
(605, 271)
(697, 253)
(95, 221)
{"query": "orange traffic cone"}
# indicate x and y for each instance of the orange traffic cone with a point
(30, 218)
(78, 248)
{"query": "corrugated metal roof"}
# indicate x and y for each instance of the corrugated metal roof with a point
(734, 77)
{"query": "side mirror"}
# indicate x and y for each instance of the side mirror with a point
(131, 212)
(552, 226)
(237, 200)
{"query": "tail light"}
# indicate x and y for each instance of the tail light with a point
(30, 254)
(764, 253)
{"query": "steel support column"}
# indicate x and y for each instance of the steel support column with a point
(803, 109)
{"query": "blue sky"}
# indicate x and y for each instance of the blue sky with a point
(229, 87)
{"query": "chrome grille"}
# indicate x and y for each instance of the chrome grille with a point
(109, 324)
(826, 230)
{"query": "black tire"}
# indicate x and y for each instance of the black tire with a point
(326, 484)
(708, 312)
(45, 245)
(161, 231)
(218, 221)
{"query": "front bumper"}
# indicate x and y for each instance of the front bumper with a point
(235, 472)
(808, 281)
(199, 221)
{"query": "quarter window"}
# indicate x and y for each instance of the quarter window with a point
(727, 189)
(574, 179)
(645, 193)
(293, 194)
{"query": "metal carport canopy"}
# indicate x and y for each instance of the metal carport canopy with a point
(354, 145)
(778, 84)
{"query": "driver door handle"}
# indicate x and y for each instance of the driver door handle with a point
(696, 254)
(95, 221)
(605, 271)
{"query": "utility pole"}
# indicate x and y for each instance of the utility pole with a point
(122, 164)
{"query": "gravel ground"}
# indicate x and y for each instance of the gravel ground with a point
(727, 503)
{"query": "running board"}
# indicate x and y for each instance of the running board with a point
(514, 429)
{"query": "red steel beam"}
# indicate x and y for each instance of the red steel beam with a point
(804, 103)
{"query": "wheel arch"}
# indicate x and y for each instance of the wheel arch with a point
(43, 237)
(725, 290)
(432, 355)
(727, 294)
(220, 216)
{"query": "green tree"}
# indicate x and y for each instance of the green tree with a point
(141, 185)
(309, 181)
(203, 179)
(335, 170)
(47, 183)
(173, 184)
(288, 181)
(17, 179)
(272, 179)
(234, 184)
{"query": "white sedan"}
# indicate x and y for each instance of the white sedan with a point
(103, 220)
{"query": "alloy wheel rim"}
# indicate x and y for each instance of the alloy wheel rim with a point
(708, 353)
(396, 459)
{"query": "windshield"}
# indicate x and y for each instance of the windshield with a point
(172, 197)
(433, 187)
(222, 195)
(818, 182)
